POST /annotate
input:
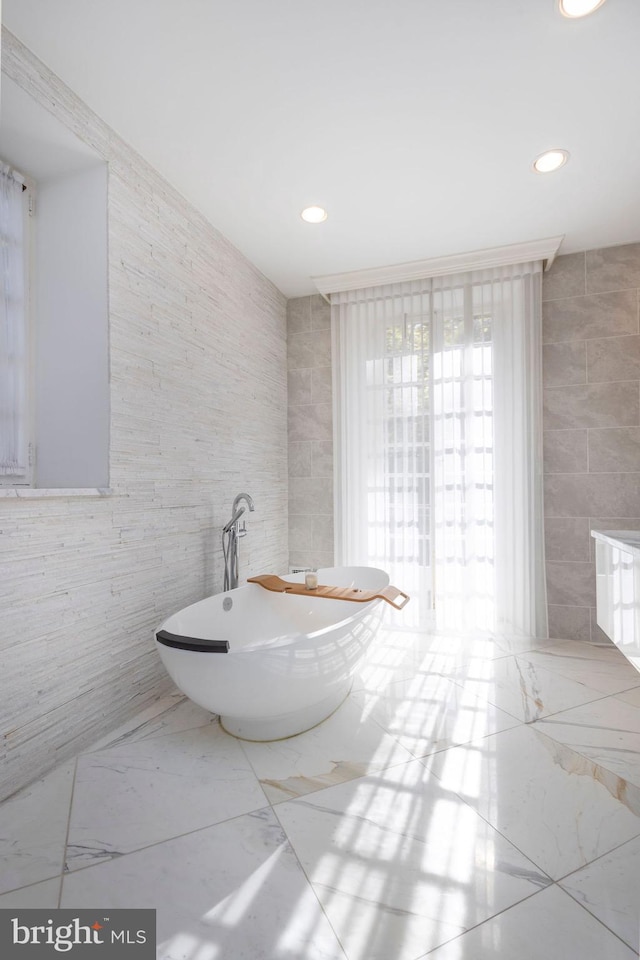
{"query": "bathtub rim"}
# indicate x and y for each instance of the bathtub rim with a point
(189, 643)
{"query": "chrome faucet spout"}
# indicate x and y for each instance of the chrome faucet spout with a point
(243, 496)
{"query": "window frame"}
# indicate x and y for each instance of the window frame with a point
(26, 479)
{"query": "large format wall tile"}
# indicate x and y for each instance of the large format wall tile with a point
(298, 316)
(571, 583)
(299, 385)
(592, 434)
(320, 312)
(582, 318)
(300, 458)
(565, 451)
(567, 538)
(614, 451)
(322, 458)
(591, 495)
(305, 350)
(566, 278)
(613, 268)
(569, 623)
(614, 358)
(592, 405)
(564, 363)
(310, 420)
(311, 496)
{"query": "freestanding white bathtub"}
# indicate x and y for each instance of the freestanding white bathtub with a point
(272, 664)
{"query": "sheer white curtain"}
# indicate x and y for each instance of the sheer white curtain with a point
(12, 328)
(382, 422)
(438, 440)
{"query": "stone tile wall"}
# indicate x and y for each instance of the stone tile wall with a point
(591, 368)
(310, 432)
(198, 414)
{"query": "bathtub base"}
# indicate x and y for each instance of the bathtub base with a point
(286, 724)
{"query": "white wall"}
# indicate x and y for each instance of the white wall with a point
(198, 398)
(71, 331)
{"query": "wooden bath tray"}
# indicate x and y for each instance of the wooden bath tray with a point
(271, 582)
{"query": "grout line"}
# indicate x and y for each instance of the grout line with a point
(66, 838)
(601, 922)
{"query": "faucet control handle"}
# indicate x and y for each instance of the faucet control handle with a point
(242, 530)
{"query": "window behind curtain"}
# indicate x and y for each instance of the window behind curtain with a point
(438, 428)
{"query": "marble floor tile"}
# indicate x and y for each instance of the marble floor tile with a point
(602, 668)
(606, 732)
(548, 925)
(523, 689)
(393, 655)
(440, 655)
(231, 891)
(430, 712)
(348, 744)
(554, 805)
(140, 793)
(609, 888)
(33, 829)
(169, 714)
(44, 894)
(630, 696)
(401, 864)
(520, 644)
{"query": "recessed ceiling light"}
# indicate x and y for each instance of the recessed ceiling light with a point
(578, 8)
(550, 160)
(314, 214)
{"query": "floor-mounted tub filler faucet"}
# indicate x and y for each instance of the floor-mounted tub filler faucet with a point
(231, 533)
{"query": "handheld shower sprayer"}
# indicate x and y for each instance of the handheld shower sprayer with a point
(234, 519)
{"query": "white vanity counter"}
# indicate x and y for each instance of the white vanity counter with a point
(618, 589)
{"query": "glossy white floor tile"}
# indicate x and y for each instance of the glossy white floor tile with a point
(44, 894)
(33, 830)
(429, 712)
(597, 666)
(347, 745)
(401, 864)
(549, 925)
(523, 689)
(630, 696)
(428, 817)
(170, 714)
(610, 889)
(229, 891)
(139, 793)
(553, 804)
(606, 731)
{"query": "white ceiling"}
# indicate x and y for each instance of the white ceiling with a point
(413, 121)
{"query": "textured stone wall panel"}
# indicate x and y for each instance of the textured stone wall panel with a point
(198, 414)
